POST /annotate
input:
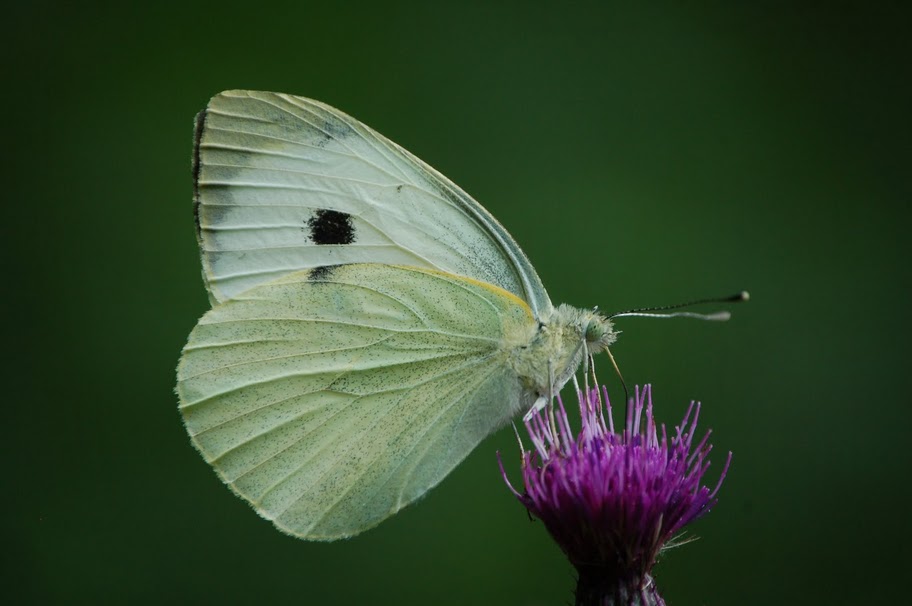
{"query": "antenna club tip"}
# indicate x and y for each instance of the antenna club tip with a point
(745, 296)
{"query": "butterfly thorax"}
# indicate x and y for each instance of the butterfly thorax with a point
(547, 362)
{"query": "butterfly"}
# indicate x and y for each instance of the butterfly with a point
(371, 323)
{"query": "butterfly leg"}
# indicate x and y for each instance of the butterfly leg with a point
(539, 405)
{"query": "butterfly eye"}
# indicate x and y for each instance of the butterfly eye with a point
(598, 332)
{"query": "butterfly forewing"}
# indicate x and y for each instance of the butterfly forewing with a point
(285, 183)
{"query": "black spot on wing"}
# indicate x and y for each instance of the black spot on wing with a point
(198, 129)
(331, 227)
(322, 273)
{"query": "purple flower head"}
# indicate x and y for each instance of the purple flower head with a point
(612, 500)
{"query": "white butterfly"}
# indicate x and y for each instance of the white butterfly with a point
(371, 322)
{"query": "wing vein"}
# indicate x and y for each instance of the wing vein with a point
(320, 425)
(445, 409)
(340, 457)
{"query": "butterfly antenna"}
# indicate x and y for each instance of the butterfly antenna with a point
(719, 316)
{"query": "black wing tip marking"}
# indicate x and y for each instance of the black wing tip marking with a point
(331, 227)
(199, 127)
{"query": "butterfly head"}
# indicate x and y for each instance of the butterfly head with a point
(597, 330)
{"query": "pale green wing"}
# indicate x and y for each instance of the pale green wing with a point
(285, 183)
(332, 398)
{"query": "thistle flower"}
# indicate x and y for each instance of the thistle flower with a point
(612, 500)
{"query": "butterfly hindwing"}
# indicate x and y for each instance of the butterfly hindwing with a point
(331, 398)
(285, 183)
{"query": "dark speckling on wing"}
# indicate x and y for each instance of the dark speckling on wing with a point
(322, 273)
(329, 128)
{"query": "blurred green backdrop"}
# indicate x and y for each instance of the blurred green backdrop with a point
(640, 155)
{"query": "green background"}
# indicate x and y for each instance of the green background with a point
(640, 156)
